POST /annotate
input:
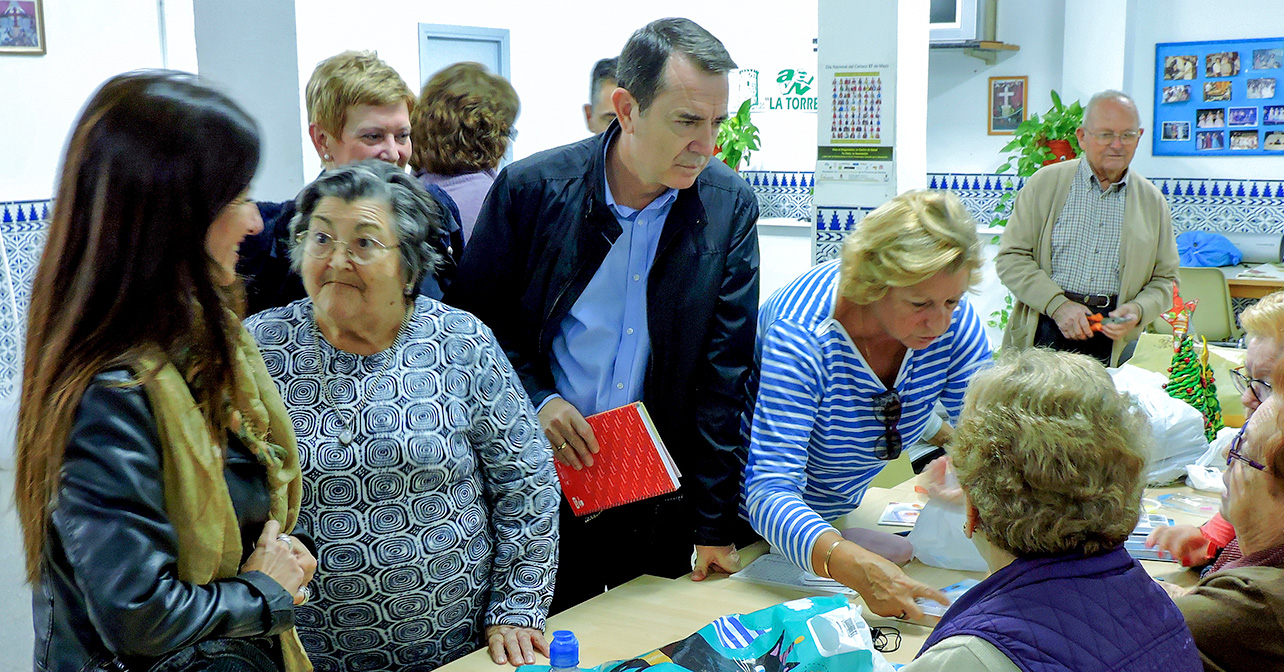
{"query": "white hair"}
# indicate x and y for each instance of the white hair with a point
(1109, 95)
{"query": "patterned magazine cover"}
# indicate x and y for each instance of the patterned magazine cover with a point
(633, 463)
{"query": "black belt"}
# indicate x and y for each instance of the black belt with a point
(1092, 300)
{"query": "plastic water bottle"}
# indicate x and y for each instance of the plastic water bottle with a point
(564, 652)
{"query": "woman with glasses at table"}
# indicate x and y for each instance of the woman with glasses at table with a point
(1050, 459)
(1263, 324)
(1236, 612)
(854, 354)
(427, 482)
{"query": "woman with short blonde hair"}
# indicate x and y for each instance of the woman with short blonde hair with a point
(461, 130)
(854, 355)
(1051, 460)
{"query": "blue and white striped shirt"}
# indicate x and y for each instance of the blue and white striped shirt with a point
(811, 452)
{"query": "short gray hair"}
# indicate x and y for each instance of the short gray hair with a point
(640, 68)
(1109, 95)
(417, 217)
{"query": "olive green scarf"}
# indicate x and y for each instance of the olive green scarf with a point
(196, 495)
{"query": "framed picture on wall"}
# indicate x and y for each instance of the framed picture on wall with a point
(1007, 104)
(22, 27)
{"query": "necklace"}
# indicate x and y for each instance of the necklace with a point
(349, 429)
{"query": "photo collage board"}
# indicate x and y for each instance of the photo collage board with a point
(1221, 98)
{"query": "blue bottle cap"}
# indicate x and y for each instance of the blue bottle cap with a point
(564, 650)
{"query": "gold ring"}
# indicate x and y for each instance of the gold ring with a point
(563, 446)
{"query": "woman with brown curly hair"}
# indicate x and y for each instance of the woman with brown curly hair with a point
(1050, 457)
(459, 132)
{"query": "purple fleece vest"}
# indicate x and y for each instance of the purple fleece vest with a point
(1075, 613)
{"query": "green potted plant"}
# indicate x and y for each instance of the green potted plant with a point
(737, 138)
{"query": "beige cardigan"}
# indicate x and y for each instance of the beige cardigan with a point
(1148, 258)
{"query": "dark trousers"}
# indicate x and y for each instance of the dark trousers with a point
(1098, 347)
(602, 551)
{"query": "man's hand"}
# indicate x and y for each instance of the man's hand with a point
(716, 559)
(1131, 312)
(1187, 544)
(513, 645)
(1072, 319)
(571, 437)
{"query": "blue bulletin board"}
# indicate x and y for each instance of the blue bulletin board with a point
(1222, 98)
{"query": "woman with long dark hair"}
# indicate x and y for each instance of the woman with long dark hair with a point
(156, 466)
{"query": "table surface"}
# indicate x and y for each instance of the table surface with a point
(649, 612)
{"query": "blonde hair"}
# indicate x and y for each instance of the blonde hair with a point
(906, 241)
(462, 122)
(348, 79)
(1265, 319)
(1051, 455)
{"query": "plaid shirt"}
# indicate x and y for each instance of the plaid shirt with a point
(1085, 239)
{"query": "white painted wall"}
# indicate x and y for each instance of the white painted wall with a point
(87, 43)
(1155, 21)
(958, 86)
(552, 52)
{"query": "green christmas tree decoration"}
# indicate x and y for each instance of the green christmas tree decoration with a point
(1190, 379)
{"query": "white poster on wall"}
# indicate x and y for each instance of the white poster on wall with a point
(856, 126)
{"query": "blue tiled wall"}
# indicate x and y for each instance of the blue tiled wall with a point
(1197, 204)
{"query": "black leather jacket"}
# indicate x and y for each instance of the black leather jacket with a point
(109, 584)
(542, 233)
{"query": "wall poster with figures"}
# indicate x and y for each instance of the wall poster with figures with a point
(1226, 90)
(858, 108)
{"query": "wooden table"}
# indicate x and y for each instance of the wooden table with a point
(1249, 288)
(649, 612)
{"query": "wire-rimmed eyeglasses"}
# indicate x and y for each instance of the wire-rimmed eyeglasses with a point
(361, 250)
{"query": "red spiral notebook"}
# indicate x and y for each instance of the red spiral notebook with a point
(633, 463)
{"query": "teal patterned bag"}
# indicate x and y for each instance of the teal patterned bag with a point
(814, 634)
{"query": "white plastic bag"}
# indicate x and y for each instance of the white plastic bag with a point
(1177, 427)
(938, 538)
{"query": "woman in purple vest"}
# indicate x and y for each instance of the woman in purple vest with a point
(1050, 458)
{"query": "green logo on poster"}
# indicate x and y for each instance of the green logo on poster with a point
(794, 82)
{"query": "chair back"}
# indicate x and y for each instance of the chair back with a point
(1214, 318)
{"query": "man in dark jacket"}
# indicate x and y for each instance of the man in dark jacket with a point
(622, 268)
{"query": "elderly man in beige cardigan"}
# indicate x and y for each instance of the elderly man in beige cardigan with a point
(1085, 237)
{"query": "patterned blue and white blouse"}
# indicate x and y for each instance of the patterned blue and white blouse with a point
(440, 516)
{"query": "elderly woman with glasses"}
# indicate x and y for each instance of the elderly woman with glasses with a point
(1050, 459)
(427, 482)
(1263, 324)
(1234, 612)
(854, 355)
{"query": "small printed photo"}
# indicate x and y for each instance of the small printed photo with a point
(1274, 141)
(1210, 118)
(1180, 67)
(1209, 140)
(1177, 94)
(1221, 64)
(1267, 59)
(1216, 91)
(1263, 87)
(1273, 115)
(1242, 140)
(1241, 116)
(1176, 130)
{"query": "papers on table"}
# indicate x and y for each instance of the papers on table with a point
(900, 514)
(776, 570)
(1263, 272)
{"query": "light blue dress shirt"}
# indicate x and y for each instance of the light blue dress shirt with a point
(601, 348)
